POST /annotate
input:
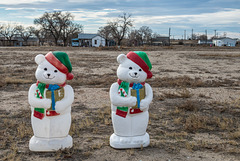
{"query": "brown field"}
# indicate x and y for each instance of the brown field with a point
(195, 113)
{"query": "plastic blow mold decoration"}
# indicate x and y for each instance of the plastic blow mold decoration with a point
(50, 99)
(130, 98)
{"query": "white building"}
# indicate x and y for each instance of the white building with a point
(205, 42)
(89, 40)
(224, 41)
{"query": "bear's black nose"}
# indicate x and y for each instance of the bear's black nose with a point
(48, 75)
(135, 73)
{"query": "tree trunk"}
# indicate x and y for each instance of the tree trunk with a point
(119, 43)
(56, 41)
(64, 42)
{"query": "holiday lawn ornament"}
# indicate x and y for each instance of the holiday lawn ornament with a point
(50, 99)
(130, 98)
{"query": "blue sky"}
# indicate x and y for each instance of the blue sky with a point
(220, 15)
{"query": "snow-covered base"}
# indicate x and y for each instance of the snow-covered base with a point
(50, 144)
(124, 142)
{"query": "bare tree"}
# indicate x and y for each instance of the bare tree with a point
(202, 37)
(41, 34)
(146, 34)
(106, 33)
(194, 37)
(155, 35)
(56, 23)
(120, 27)
(25, 33)
(8, 31)
(69, 30)
(135, 38)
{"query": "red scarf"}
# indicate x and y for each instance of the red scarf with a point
(119, 81)
(47, 85)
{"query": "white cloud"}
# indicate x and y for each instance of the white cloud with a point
(89, 1)
(16, 23)
(229, 34)
(14, 2)
(9, 9)
(226, 17)
(109, 9)
(33, 16)
(94, 16)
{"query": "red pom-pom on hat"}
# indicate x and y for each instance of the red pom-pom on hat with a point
(69, 76)
(149, 74)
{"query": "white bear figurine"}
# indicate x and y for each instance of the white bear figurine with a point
(50, 99)
(130, 98)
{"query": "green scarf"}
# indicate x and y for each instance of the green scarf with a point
(125, 86)
(41, 87)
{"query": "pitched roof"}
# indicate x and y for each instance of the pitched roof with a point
(220, 38)
(87, 36)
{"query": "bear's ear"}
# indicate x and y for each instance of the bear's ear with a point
(39, 58)
(121, 58)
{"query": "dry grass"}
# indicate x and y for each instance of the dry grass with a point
(180, 93)
(180, 119)
(188, 106)
(235, 134)
(220, 55)
(187, 82)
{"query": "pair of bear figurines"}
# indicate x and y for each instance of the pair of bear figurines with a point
(51, 98)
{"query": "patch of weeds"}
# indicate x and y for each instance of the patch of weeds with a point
(182, 93)
(187, 82)
(196, 122)
(66, 153)
(235, 134)
(130, 151)
(180, 81)
(203, 96)
(220, 55)
(188, 106)
(97, 146)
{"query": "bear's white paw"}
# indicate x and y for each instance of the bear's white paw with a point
(132, 101)
(144, 105)
(59, 108)
(46, 103)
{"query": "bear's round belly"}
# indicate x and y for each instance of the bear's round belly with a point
(51, 127)
(131, 125)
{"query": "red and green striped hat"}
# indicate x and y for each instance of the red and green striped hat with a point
(61, 61)
(141, 59)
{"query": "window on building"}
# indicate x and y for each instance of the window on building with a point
(95, 41)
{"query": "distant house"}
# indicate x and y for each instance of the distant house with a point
(89, 40)
(163, 40)
(224, 41)
(200, 42)
(18, 41)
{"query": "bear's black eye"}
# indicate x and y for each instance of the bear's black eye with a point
(55, 71)
(140, 70)
(130, 68)
(45, 69)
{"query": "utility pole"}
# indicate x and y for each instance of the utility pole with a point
(206, 35)
(184, 34)
(224, 34)
(169, 34)
(192, 34)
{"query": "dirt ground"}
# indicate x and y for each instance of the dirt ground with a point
(195, 113)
